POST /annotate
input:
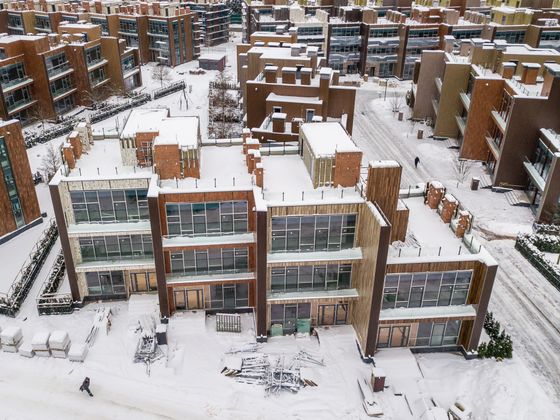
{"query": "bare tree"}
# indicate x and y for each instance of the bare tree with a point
(50, 162)
(223, 106)
(41, 115)
(161, 73)
(462, 170)
(396, 101)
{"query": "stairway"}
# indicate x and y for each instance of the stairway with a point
(485, 181)
(517, 198)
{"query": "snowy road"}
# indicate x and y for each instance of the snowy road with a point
(522, 300)
(528, 306)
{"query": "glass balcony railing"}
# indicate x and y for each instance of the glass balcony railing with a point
(61, 68)
(61, 91)
(13, 82)
(15, 105)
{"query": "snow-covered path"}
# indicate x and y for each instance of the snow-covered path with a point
(528, 307)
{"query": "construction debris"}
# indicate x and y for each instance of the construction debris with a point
(246, 348)
(147, 349)
(276, 373)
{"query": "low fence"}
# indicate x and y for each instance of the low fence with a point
(51, 302)
(10, 302)
(537, 260)
(167, 90)
(228, 323)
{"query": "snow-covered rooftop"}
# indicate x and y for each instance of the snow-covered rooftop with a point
(143, 120)
(326, 138)
(222, 168)
(103, 161)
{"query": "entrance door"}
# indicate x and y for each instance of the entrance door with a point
(399, 336)
(143, 282)
(383, 337)
(152, 281)
(229, 296)
(194, 299)
(341, 313)
(290, 318)
(180, 300)
(327, 314)
(437, 335)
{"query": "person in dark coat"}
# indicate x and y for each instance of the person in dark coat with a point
(416, 161)
(85, 387)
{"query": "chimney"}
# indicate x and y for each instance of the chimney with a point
(296, 122)
(335, 77)
(530, 73)
(259, 174)
(279, 122)
(76, 143)
(295, 50)
(289, 75)
(306, 76)
(270, 74)
(507, 69)
(68, 154)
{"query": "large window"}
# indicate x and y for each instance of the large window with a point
(158, 27)
(93, 55)
(210, 261)
(229, 296)
(105, 283)
(12, 74)
(311, 277)
(206, 218)
(287, 315)
(17, 98)
(109, 205)
(101, 22)
(56, 64)
(542, 160)
(64, 104)
(97, 76)
(435, 334)
(414, 290)
(100, 248)
(128, 63)
(313, 233)
(61, 86)
(10, 183)
(128, 26)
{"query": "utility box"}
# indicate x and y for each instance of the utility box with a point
(303, 326)
(475, 182)
(276, 330)
(161, 334)
(378, 379)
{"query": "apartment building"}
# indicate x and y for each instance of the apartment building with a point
(213, 21)
(284, 86)
(163, 32)
(444, 82)
(46, 76)
(300, 239)
(19, 208)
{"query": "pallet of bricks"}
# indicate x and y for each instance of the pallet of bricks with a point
(11, 339)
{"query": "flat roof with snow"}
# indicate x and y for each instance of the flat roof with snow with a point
(327, 138)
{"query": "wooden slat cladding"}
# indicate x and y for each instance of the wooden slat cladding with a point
(368, 276)
(314, 209)
(382, 188)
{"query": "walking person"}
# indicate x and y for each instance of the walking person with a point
(416, 162)
(85, 387)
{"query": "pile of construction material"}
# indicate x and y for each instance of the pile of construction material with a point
(59, 344)
(11, 339)
(77, 352)
(147, 349)
(276, 373)
(40, 344)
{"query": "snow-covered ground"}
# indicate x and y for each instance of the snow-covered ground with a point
(187, 383)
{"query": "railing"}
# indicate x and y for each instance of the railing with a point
(167, 90)
(14, 82)
(59, 92)
(19, 103)
(205, 235)
(61, 68)
(49, 302)
(11, 301)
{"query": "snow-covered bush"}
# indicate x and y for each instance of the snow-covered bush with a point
(500, 345)
(533, 246)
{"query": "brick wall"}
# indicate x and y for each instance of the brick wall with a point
(347, 168)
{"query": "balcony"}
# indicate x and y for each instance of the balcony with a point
(461, 123)
(95, 64)
(95, 83)
(209, 239)
(465, 99)
(59, 71)
(534, 174)
(438, 84)
(15, 84)
(306, 295)
(501, 123)
(61, 93)
(137, 263)
(20, 105)
(217, 277)
(494, 147)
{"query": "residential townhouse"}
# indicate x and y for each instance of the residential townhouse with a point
(284, 86)
(501, 103)
(163, 32)
(300, 239)
(19, 208)
(44, 76)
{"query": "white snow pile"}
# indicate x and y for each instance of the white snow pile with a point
(40, 341)
(11, 336)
